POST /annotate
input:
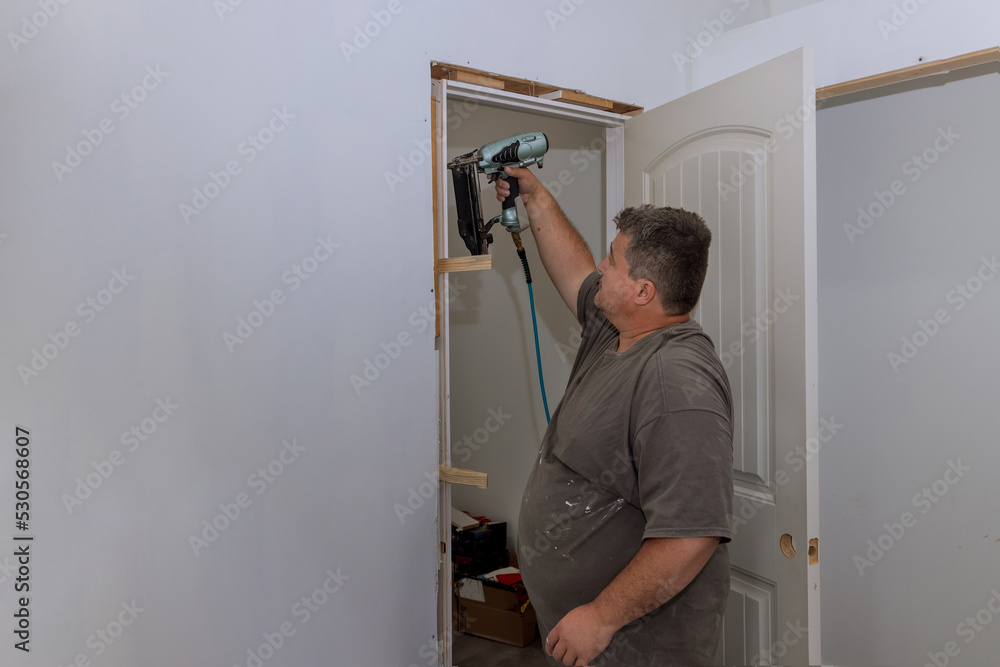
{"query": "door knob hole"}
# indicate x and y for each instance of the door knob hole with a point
(787, 546)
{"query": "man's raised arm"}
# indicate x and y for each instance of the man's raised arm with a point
(565, 255)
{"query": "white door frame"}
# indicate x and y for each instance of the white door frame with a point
(442, 91)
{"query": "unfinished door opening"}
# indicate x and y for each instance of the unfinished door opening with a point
(491, 416)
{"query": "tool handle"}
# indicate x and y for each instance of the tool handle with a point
(510, 202)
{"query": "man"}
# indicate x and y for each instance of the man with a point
(626, 515)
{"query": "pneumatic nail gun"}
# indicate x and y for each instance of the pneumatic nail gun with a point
(521, 150)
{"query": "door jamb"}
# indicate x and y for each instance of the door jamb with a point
(614, 155)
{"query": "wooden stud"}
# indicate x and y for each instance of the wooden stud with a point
(584, 100)
(526, 87)
(909, 73)
(453, 264)
(464, 477)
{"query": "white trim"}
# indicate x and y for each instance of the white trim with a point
(614, 170)
(443, 600)
(461, 90)
(615, 200)
(753, 494)
(811, 306)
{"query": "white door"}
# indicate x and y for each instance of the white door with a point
(742, 153)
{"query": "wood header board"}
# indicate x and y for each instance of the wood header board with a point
(909, 73)
(530, 88)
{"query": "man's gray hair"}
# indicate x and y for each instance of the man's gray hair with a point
(669, 247)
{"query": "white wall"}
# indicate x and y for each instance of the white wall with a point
(492, 346)
(855, 38)
(909, 309)
(356, 117)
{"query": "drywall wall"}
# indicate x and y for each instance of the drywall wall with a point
(242, 190)
(908, 311)
(150, 106)
(496, 407)
(854, 38)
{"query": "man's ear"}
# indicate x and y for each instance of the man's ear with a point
(646, 293)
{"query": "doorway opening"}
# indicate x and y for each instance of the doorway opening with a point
(490, 406)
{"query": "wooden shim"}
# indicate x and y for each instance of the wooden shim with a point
(450, 475)
(584, 100)
(473, 263)
(908, 73)
(523, 86)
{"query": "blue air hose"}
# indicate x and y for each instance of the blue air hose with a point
(534, 321)
(538, 353)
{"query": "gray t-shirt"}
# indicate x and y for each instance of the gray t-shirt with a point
(639, 447)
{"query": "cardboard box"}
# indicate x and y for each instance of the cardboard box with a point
(496, 616)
